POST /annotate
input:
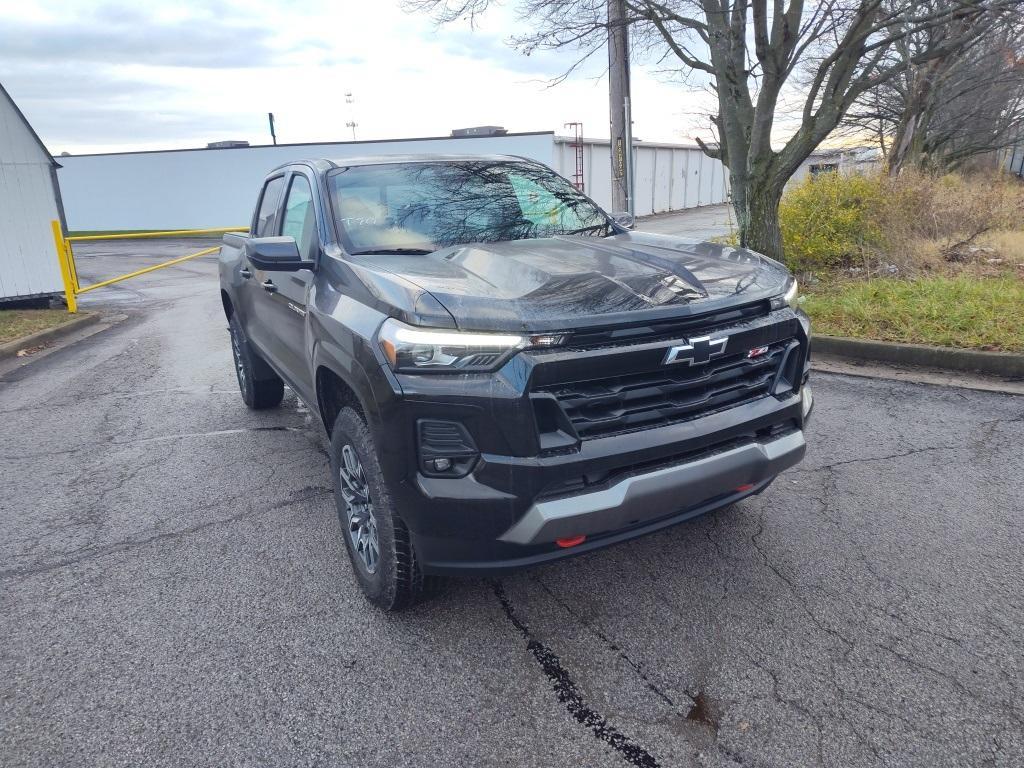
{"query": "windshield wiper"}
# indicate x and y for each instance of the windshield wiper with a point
(591, 228)
(372, 251)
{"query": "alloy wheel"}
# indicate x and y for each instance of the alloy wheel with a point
(236, 350)
(362, 525)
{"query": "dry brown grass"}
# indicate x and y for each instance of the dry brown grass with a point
(952, 206)
(15, 323)
(992, 254)
(939, 223)
(1007, 243)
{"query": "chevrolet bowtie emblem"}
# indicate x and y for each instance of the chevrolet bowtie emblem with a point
(698, 351)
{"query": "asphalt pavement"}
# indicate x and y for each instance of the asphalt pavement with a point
(174, 589)
(704, 223)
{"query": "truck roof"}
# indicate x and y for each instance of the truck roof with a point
(325, 163)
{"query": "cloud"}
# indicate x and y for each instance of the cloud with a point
(169, 74)
(119, 124)
(494, 49)
(63, 85)
(119, 34)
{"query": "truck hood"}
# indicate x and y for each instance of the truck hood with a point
(567, 282)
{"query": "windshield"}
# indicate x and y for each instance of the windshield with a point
(421, 207)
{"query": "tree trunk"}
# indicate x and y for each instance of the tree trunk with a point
(759, 223)
(902, 143)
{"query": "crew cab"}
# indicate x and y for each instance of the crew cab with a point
(507, 374)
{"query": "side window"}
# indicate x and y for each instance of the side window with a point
(300, 217)
(266, 218)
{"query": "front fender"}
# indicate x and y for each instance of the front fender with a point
(343, 344)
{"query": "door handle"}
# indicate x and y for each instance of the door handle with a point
(268, 286)
(244, 272)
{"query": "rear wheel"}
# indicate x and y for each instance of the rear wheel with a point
(376, 538)
(259, 385)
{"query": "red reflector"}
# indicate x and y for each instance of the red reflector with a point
(744, 488)
(572, 541)
(757, 352)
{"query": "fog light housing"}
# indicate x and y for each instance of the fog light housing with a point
(445, 448)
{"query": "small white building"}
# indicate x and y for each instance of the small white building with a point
(29, 201)
(848, 160)
(1013, 159)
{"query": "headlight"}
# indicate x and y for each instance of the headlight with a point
(427, 350)
(789, 298)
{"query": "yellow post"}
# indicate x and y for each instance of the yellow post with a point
(65, 266)
(70, 252)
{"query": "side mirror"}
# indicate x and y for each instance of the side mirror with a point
(275, 254)
(625, 220)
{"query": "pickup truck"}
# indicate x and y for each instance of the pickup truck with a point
(508, 375)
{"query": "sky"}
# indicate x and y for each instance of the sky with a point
(157, 74)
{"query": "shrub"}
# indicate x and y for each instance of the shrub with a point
(829, 220)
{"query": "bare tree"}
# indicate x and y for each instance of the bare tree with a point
(753, 53)
(949, 110)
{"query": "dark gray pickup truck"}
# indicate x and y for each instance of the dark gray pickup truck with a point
(507, 374)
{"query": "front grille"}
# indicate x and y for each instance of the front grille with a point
(667, 394)
(667, 329)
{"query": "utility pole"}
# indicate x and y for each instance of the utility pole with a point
(350, 99)
(619, 108)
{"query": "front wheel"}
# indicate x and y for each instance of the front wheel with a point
(259, 385)
(377, 540)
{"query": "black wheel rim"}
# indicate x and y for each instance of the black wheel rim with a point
(362, 525)
(236, 350)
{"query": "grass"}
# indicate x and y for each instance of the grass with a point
(962, 311)
(15, 323)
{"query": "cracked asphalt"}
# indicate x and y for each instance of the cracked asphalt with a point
(174, 590)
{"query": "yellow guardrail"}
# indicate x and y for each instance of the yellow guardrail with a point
(69, 271)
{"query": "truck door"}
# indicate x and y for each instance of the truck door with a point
(254, 309)
(286, 293)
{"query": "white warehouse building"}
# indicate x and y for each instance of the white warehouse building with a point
(29, 202)
(217, 187)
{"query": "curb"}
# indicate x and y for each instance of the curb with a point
(11, 348)
(1004, 364)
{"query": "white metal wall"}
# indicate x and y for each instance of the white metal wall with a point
(28, 257)
(668, 177)
(218, 187)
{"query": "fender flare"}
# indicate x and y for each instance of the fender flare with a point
(341, 363)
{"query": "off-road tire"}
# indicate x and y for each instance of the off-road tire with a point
(259, 386)
(396, 581)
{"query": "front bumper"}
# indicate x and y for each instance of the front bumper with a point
(645, 497)
(500, 517)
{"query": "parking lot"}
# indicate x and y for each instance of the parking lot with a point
(175, 589)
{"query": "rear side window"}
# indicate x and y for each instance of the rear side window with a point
(267, 217)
